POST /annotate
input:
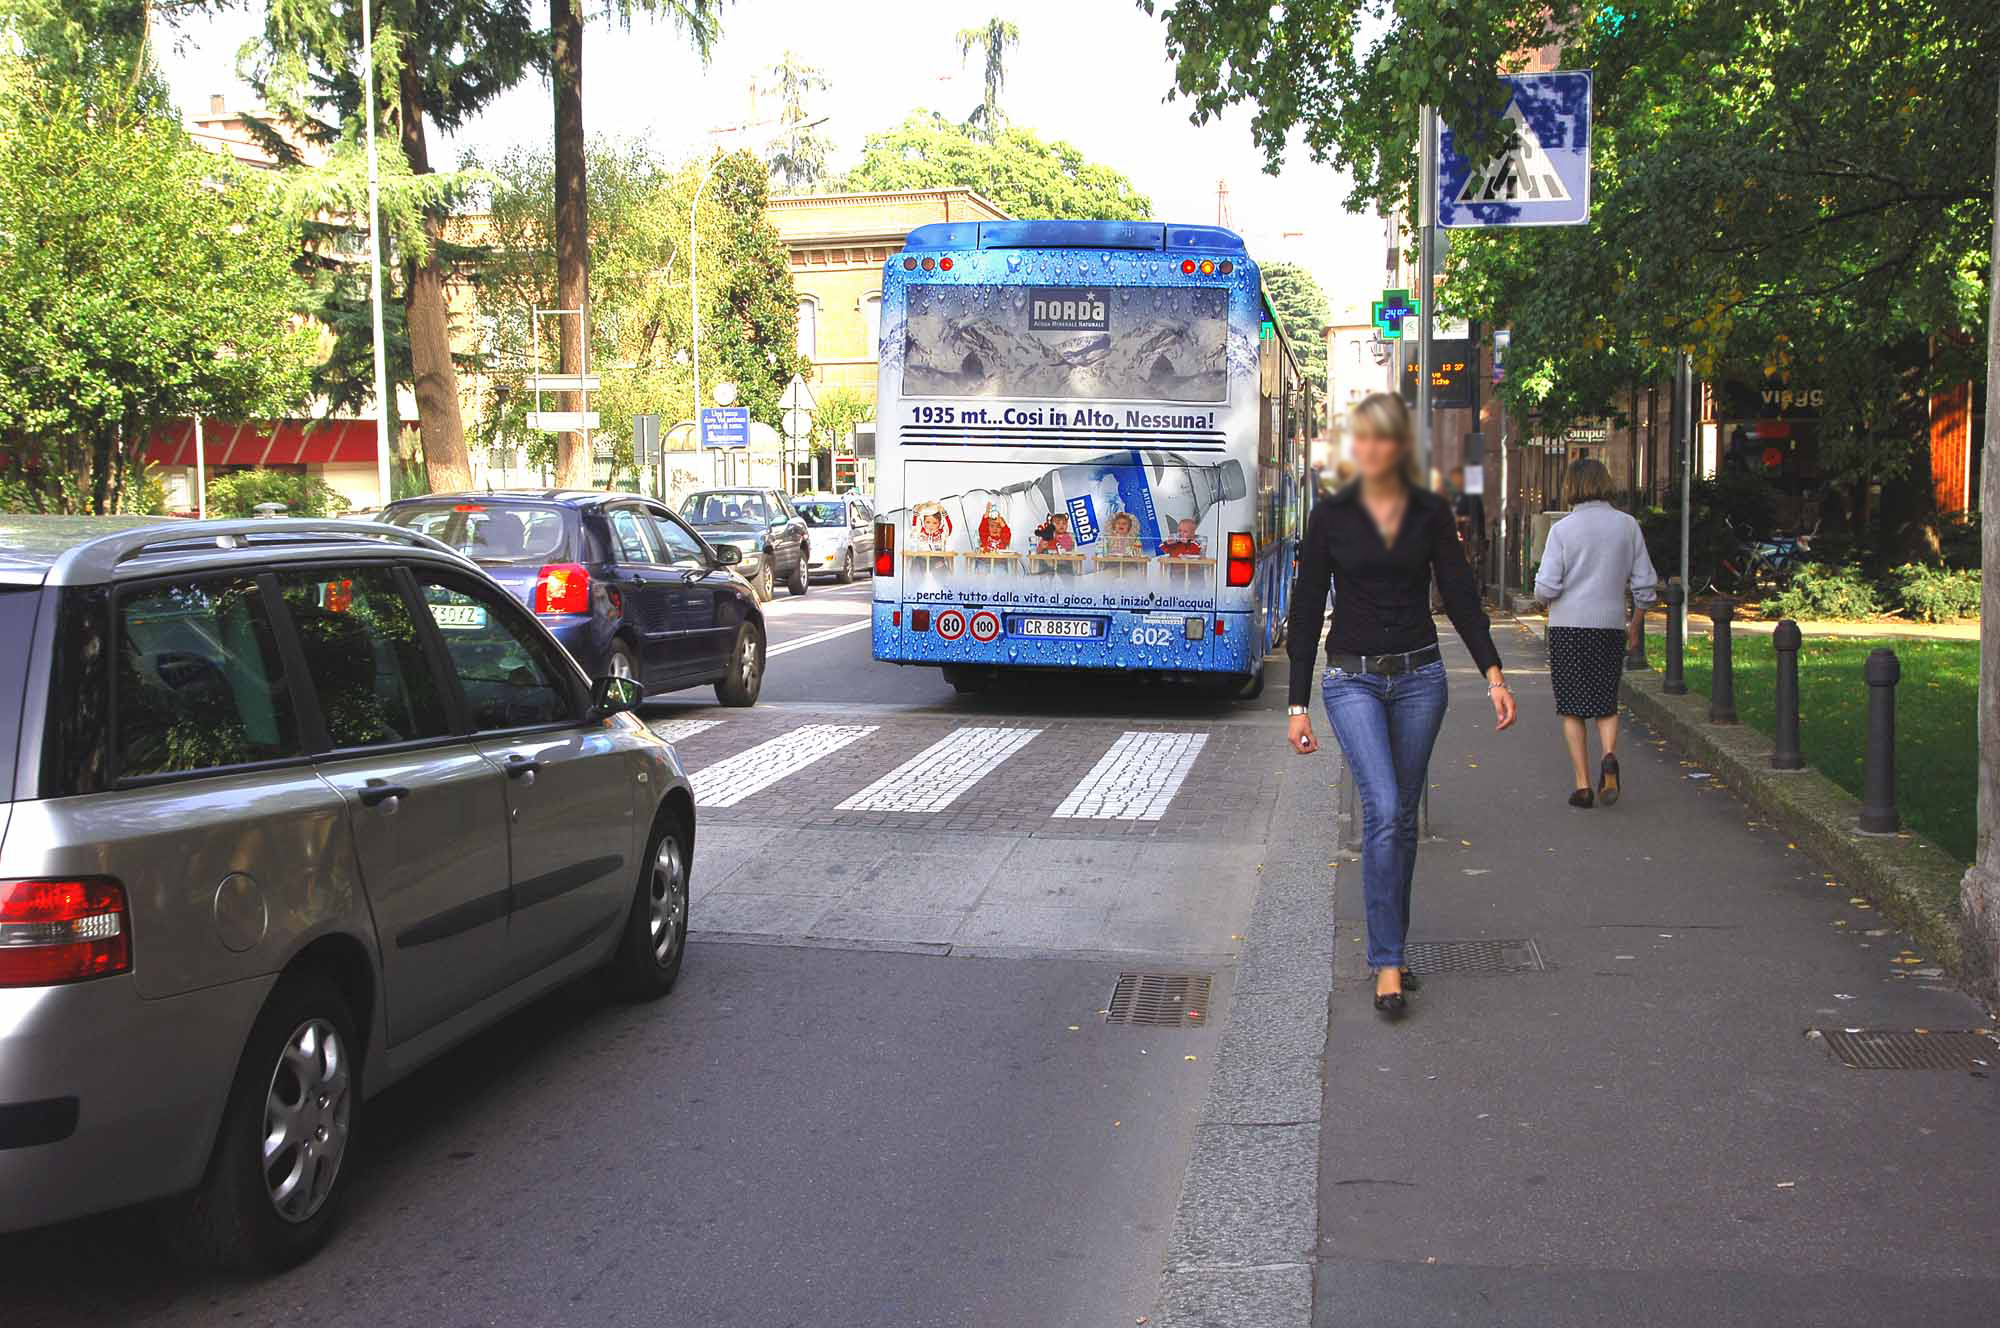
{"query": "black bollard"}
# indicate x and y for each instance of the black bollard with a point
(1635, 658)
(1722, 681)
(1785, 641)
(1676, 679)
(1878, 766)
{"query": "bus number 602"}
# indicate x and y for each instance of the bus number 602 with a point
(1152, 636)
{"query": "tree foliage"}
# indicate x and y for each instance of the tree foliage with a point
(993, 40)
(1023, 174)
(798, 154)
(1302, 310)
(836, 412)
(143, 279)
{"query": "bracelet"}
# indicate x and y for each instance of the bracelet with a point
(1498, 687)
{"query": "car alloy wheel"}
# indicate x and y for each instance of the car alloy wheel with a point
(620, 663)
(667, 901)
(306, 1113)
(847, 567)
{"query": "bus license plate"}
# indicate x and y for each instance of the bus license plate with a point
(1078, 629)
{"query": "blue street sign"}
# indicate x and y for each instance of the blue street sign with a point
(725, 426)
(1544, 179)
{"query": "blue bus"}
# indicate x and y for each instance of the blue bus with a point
(1090, 453)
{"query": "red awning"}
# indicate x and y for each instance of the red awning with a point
(279, 443)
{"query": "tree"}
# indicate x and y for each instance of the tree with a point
(698, 20)
(798, 156)
(1302, 311)
(995, 39)
(144, 280)
(835, 414)
(1024, 175)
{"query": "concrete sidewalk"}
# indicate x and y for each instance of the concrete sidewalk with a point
(1642, 1130)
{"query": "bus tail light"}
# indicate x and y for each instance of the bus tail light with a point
(53, 932)
(885, 549)
(1242, 558)
(562, 588)
(920, 620)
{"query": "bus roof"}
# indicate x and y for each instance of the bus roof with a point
(1073, 235)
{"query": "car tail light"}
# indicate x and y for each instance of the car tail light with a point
(562, 588)
(885, 549)
(468, 507)
(338, 596)
(1242, 558)
(63, 931)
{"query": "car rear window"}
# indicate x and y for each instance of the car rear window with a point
(491, 532)
(17, 635)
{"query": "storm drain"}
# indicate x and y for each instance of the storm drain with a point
(1911, 1049)
(1161, 1000)
(1472, 957)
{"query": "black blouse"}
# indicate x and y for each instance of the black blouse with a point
(1382, 591)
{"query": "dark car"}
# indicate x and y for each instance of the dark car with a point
(627, 588)
(764, 525)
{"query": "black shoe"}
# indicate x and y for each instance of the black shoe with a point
(1411, 982)
(1607, 781)
(1390, 1003)
(1583, 797)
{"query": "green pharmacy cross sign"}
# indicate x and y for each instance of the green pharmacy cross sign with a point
(1389, 312)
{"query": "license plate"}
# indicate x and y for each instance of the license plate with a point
(459, 615)
(1079, 629)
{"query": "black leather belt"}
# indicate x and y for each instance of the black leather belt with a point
(1386, 665)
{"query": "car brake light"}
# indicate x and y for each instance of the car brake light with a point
(1242, 558)
(885, 549)
(468, 507)
(338, 596)
(63, 931)
(562, 588)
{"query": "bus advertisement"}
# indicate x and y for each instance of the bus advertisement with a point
(1090, 444)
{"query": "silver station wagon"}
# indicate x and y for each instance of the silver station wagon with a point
(286, 809)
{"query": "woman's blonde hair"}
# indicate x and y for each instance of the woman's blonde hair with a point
(1587, 482)
(1384, 415)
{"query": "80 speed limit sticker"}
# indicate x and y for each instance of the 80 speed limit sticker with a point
(950, 624)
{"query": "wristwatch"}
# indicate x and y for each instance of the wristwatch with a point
(1297, 710)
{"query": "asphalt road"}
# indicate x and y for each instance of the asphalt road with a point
(883, 1092)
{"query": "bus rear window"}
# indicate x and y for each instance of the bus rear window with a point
(17, 640)
(1095, 343)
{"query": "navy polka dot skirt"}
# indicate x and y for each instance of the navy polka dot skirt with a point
(1584, 667)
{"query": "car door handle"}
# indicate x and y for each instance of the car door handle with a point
(518, 766)
(376, 791)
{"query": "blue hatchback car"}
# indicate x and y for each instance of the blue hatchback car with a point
(628, 587)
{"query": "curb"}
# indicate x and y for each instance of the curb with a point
(1247, 1224)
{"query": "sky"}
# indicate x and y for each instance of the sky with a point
(1094, 72)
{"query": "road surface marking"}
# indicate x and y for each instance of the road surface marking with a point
(680, 730)
(735, 778)
(1135, 780)
(934, 778)
(818, 637)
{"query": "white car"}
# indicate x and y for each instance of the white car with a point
(841, 532)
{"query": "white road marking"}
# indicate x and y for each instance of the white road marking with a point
(1135, 780)
(934, 778)
(680, 730)
(817, 637)
(735, 778)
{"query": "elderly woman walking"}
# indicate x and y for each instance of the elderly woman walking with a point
(1595, 557)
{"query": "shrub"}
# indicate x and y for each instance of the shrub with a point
(1958, 542)
(240, 491)
(1936, 594)
(1820, 593)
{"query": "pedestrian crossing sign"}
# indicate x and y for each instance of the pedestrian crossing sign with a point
(1540, 175)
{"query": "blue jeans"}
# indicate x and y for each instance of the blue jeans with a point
(1386, 727)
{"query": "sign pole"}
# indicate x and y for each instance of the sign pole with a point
(1426, 281)
(1684, 387)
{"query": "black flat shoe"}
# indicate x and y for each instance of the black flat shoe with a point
(1607, 781)
(1583, 797)
(1411, 982)
(1390, 1003)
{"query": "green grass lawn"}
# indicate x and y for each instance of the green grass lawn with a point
(1937, 738)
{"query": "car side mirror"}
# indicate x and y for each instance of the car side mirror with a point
(609, 695)
(727, 555)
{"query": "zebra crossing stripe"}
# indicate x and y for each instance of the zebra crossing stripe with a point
(1135, 780)
(934, 778)
(735, 778)
(680, 730)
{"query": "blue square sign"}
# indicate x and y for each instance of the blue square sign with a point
(1544, 179)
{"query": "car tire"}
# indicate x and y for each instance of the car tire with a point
(745, 676)
(801, 576)
(766, 584)
(655, 941)
(303, 1048)
(621, 662)
(846, 574)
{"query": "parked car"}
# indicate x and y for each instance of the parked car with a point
(763, 525)
(842, 531)
(291, 807)
(621, 581)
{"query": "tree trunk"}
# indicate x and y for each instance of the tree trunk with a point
(572, 224)
(429, 323)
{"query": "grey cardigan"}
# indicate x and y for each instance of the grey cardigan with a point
(1595, 555)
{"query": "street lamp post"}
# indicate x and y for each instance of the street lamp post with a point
(375, 253)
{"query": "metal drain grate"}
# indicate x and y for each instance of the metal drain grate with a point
(1517, 956)
(1907, 1049)
(1162, 1000)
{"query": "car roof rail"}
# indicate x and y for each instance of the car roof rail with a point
(100, 558)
